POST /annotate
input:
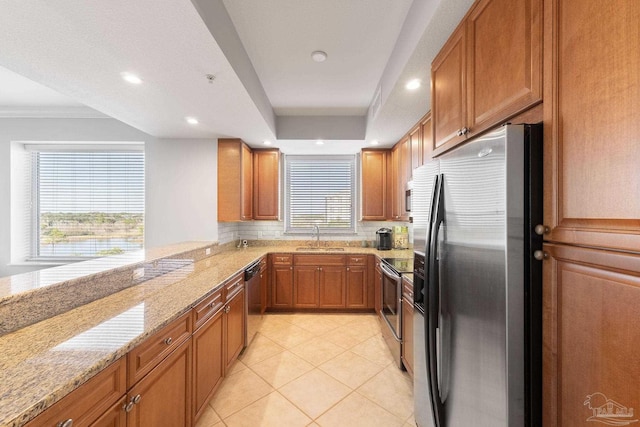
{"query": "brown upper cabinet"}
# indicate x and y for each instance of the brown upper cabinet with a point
(235, 181)
(426, 137)
(400, 174)
(248, 182)
(592, 58)
(374, 185)
(489, 70)
(266, 180)
(415, 146)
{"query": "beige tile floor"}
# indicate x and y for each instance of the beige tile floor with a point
(314, 370)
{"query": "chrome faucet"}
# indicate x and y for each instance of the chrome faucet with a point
(316, 232)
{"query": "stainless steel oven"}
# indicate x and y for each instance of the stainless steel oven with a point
(391, 311)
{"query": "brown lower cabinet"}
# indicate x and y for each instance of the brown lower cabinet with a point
(234, 322)
(281, 280)
(208, 369)
(377, 304)
(321, 281)
(171, 375)
(95, 401)
(591, 333)
(163, 397)
(407, 325)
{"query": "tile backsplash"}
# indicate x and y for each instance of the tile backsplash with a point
(274, 230)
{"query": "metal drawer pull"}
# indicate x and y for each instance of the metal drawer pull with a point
(65, 423)
(168, 341)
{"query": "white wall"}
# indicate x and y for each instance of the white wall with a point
(181, 179)
(181, 191)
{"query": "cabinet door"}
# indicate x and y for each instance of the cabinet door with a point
(88, 402)
(448, 90)
(426, 137)
(282, 287)
(591, 335)
(395, 178)
(266, 184)
(406, 173)
(208, 367)
(592, 53)
(407, 334)
(415, 144)
(357, 286)
(247, 184)
(305, 291)
(264, 286)
(113, 417)
(165, 393)
(374, 185)
(332, 287)
(378, 288)
(504, 63)
(234, 326)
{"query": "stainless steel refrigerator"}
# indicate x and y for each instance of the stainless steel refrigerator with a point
(477, 284)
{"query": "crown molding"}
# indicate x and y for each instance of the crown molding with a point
(39, 112)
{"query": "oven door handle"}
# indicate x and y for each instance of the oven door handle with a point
(389, 272)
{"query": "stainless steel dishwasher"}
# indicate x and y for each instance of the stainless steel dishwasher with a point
(253, 305)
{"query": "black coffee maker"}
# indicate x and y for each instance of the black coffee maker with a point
(383, 239)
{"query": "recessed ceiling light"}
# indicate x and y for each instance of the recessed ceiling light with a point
(267, 142)
(413, 84)
(319, 56)
(131, 78)
(192, 120)
(374, 142)
(319, 142)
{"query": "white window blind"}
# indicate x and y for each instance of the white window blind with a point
(320, 190)
(87, 203)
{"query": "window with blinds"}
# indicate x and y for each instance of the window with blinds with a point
(320, 190)
(86, 203)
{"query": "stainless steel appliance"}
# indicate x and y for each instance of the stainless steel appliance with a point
(253, 303)
(391, 313)
(477, 285)
(383, 239)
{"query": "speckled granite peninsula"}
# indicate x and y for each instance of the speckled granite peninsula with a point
(46, 360)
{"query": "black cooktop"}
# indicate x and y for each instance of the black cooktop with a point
(400, 265)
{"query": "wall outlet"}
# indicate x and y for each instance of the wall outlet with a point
(207, 251)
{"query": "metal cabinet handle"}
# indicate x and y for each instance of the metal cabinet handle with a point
(65, 423)
(227, 309)
(347, 268)
(168, 341)
(540, 255)
(541, 229)
(134, 401)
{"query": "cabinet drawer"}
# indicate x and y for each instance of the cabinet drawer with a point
(234, 285)
(154, 349)
(357, 260)
(407, 289)
(207, 308)
(282, 259)
(319, 260)
(88, 402)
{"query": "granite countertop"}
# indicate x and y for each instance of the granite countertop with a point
(43, 362)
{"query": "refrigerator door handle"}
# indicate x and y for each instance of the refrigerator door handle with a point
(433, 305)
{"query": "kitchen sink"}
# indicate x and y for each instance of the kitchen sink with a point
(307, 248)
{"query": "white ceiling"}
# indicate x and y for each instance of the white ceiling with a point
(259, 52)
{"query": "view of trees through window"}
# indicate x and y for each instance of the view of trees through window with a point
(90, 203)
